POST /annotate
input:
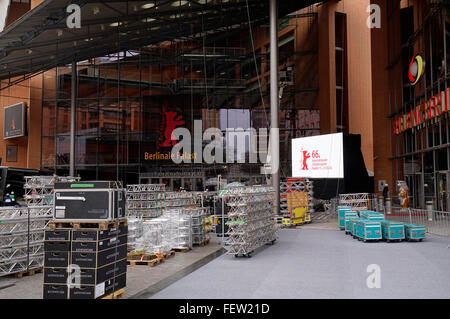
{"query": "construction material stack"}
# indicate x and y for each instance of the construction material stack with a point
(297, 185)
(135, 231)
(176, 200)
(250, 219)
(356, 201)
(145, 200)
(22, 239)
(178, 229)
(86, 246)
(199, 222)
(22, 228)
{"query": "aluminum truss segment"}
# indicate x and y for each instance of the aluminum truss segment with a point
(251, 221)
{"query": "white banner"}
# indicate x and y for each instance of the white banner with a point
(319, 156)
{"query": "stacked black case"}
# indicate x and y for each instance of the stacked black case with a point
(89, 201)
(99, 254)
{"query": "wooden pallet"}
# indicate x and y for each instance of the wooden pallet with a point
(30, 272)
(150, 260)
(103, 225)
(204, 243)
(119, 294)
(169, 254)
(181, 250)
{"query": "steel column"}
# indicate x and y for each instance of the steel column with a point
(274, 104)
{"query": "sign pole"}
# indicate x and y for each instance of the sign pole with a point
(274, 104)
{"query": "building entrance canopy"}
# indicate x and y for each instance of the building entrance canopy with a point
(41, 39)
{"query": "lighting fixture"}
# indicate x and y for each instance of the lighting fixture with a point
(148, 5)
(178, 3)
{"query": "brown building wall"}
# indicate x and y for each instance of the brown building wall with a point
(16, 10)
(359, 84)
(380, 100)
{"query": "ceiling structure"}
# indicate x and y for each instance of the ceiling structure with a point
(40, 40)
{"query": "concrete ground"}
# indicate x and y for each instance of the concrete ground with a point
(323, 263)
(141, 280)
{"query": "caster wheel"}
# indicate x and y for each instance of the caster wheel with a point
(388, 241)
(365, 240)
(420, 239)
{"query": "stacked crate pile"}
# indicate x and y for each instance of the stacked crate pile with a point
(86, 245)
(22, 228)
(85, 263)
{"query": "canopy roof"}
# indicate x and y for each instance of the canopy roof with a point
(40, 40)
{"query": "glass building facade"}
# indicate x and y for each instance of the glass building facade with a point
(129, 103)
(420, 153)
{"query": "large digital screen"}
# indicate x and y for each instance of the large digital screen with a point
(14, 121)
(320, 156)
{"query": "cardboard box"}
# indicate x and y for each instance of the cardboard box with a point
(99, 259)
(55, 292)
(95, 246)
(58, 235)
(56, 259)
(52, 246)
(96, 235)
(103, 289)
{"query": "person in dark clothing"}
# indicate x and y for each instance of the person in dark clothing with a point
(385, 192)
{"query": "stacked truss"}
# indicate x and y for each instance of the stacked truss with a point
(173, 200)
(357, 201)
(22, 228)
(39, 189)
(22, 238)
(250, 218)
(178, 228)
(295, 185)
(199, 222)
(145, 200)
(135, 231)
(156, 237)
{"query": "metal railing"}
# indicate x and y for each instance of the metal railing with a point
(436, 222)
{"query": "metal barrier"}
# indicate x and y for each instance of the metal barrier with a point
(436, 222)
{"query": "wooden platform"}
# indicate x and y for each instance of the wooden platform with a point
(119, 294)
(76, 225)
(30, 272)
(150, 260)
(181, 250)
(204, 243)
(169, 254)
